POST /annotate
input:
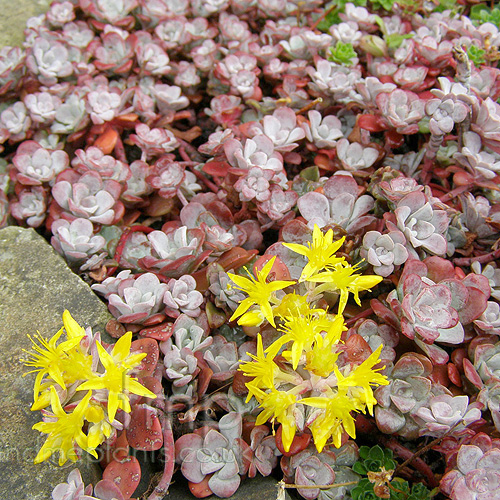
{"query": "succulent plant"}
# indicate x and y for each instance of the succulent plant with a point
(422, 225)
(308, 467)
(376, 335)
(225, 294)
(322, 131)
(93, 159)
(31, 206)
(76, 240)
(353, 156)
(339, 205)
(181, 297)
(181, 365)
(265, 452)
(408, 390)
(87, 196)
(256, 152)
(444, 412)
(219, 453)
(137, 299)
(475, 476)
(437, 311)
(36, 165)
(476, 160)
(223, 357)
(281, 127)
(189, 333)
(402, 110)
(310, 470)
(384, 251)
(74, 489)
(175, 252)
(489, 321)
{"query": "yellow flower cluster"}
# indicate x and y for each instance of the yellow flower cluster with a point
(63, 369)
(310, 345)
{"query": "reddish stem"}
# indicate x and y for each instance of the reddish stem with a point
(416, 462)
(455, 192)
(482, 259)
(184, 155)
(161, 488)
(210, 185)
(120, 150)
(362, 314)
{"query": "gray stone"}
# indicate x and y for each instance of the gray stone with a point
(14, 17)
(36, 286)
(258, 488)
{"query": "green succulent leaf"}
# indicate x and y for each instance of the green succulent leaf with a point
(359, 468)
(395, 40)
(377, 453)
(476, 55)
(342, 53)
(482, 14)
(310, 173)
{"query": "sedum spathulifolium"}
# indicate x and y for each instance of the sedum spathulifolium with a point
(303, 379)
(84, 384)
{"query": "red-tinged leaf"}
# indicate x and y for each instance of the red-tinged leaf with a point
(393, 139)
(357, 349)
(216, 168)
(107, 490)
(239, 381)
(372, 123)
(439, 375)
(454, 374)
(126, 474)
(384, 313)
(118, 450)
(144, 431)
(471, 374)
(148, 364)
(153, 384)
(160, 332)
(205, 375)
(107, 141)
(201, 490)
(279, 271)
(299, 443)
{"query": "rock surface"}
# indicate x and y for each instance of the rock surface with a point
(14, 17)
(35, 287)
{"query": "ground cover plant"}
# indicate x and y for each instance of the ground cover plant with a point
(292, 211)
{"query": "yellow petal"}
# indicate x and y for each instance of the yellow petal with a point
(73, 329)
(112, 405)
(137, 388)
(122, 347)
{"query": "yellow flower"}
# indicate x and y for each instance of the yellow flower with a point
(116, 379)
(65, 431)
(293, 304)
(277, 405)
(341, 279)
(99, 429)
(259, 292)
(335, 417)
(49, 358)
(263, 369)
(73, 329)
(364, 376)
(322, 357)
(302, 330)
(320, 254)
